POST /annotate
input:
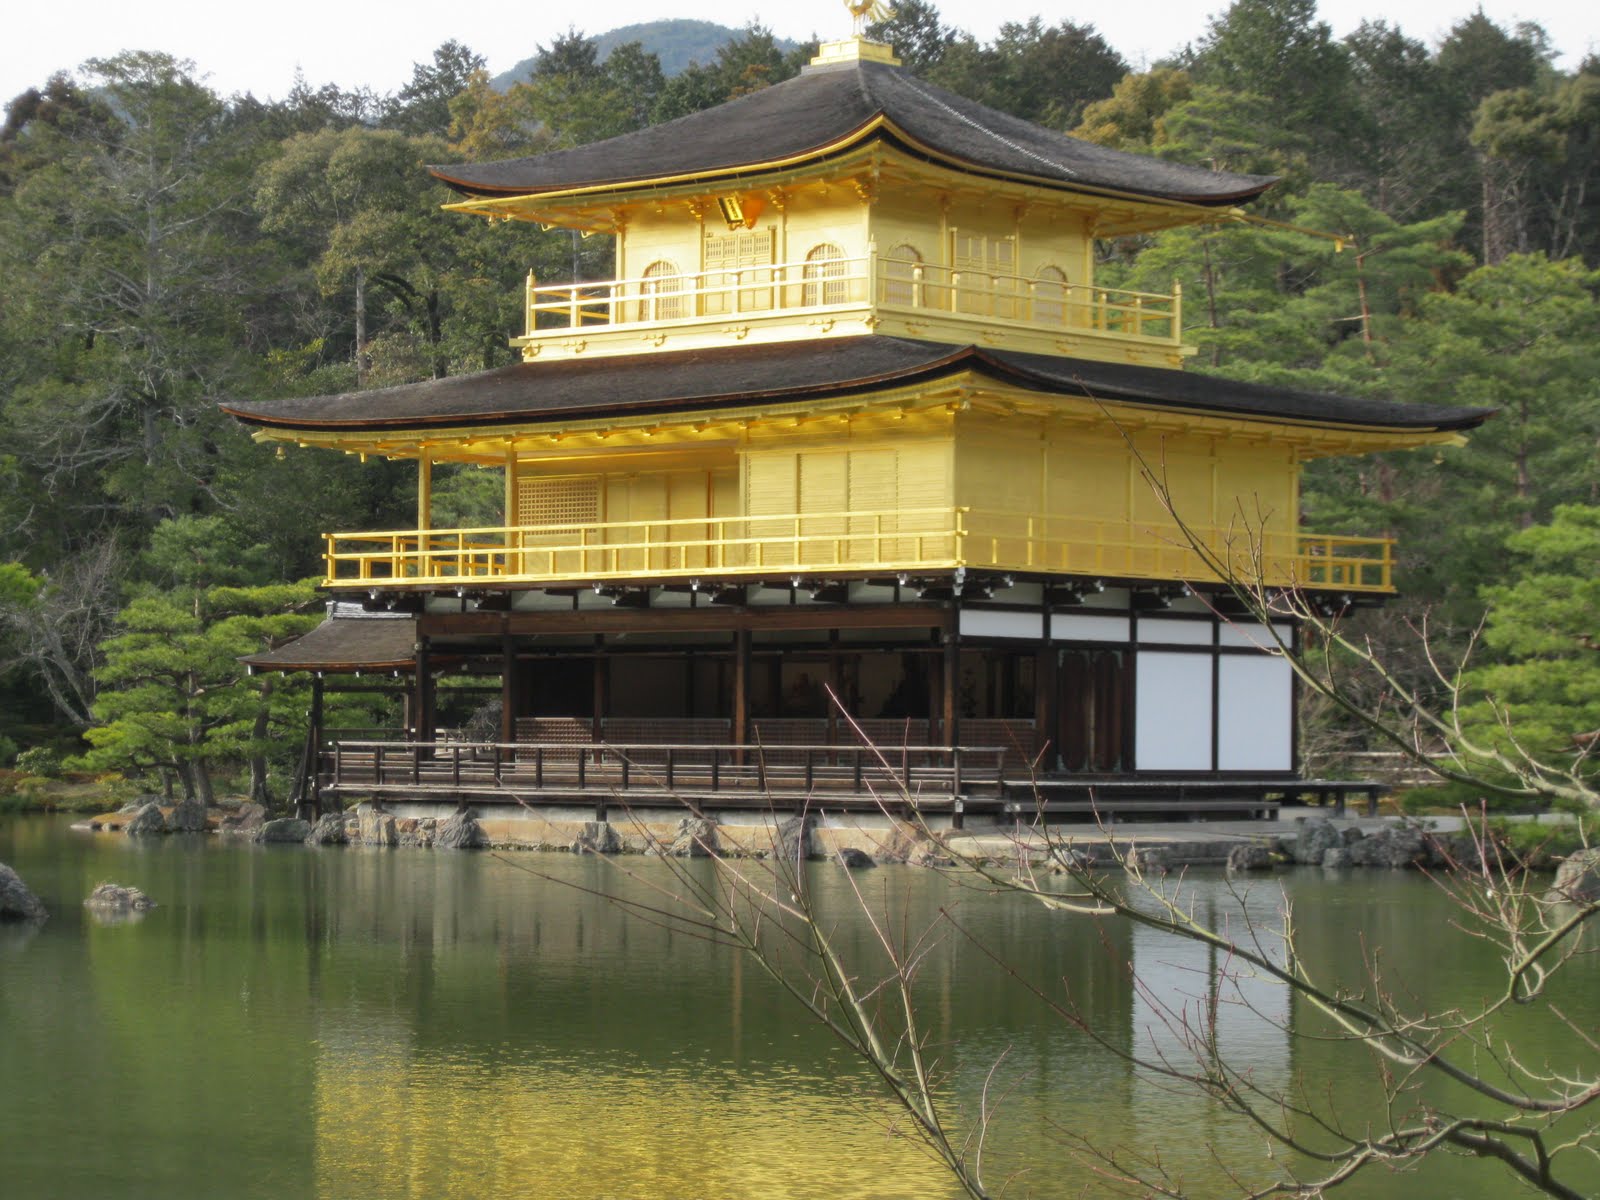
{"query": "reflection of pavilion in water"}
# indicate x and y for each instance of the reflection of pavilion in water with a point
(511, 1036)
(1190, 994)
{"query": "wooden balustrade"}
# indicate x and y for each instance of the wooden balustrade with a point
(894, 775)
(712, 548)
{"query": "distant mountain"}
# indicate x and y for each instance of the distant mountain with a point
(676, 43)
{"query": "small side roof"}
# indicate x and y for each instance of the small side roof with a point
(348, 641)
(828, 109)
(731, 376)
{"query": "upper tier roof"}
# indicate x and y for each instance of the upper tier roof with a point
(827, 109)
(730, 376)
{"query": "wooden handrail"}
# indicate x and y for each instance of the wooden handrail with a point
(860, 540)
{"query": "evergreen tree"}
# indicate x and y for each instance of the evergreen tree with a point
(1539, 691)
(423, 105)
(173, 695)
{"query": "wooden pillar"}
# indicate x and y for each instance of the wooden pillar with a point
(741, 690)
(316, 707)
(511, 484)
(508, 689)
(424, 490)
(950, 685)
(835, 687)
(422, 688)
(601, 701)
(1045, 700)
(313, 793)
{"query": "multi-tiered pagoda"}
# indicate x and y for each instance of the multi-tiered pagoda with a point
(853, 443)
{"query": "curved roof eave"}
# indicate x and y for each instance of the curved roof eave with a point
(824, 107)
(880, 128)
(728, 377)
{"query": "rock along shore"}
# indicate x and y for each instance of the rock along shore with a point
(1304, 840)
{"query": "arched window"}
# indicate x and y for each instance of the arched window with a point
(1050, 296)
(902, 276)
(825, 281)
(660, 293)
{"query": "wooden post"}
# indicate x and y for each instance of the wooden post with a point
(741, 691)
(313, 783)
(511, 483)
(835, 686)
(1046, 690)
(602, 687)
(508, 687)
(1045, 687)
(951, 685)
(424, 490)
(514, 562)
(422, 707)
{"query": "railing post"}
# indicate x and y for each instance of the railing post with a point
(529, 313)
(1176, 334)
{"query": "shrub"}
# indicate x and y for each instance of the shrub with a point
(40, 760)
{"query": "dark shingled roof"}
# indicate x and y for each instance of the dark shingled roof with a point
(825, 106)
(787, 372)
(347, 642)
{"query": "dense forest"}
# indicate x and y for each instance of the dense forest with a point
(1434, 238)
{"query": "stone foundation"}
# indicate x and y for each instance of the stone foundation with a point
(654, 830)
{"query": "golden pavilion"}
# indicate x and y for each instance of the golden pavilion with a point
(851, 484)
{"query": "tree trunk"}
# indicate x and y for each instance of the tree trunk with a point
(258, 759)
(441, 364)
(203, 790)
(361, 327)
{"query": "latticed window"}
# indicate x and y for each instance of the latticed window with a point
(1050, 296)
(985, 267)
(901, 276)
(825, 281)
(980, 252)
(572, 500)
(745, 248)
(661, 293)
(747, 256)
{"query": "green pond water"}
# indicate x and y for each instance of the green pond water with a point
(351, 1023)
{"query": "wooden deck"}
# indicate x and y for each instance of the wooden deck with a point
(707, 776)
(703, 777)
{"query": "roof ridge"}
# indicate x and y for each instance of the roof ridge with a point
(921, 89)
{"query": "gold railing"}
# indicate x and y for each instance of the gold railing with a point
(801, 544)
(921, 288)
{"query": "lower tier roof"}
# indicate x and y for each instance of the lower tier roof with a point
(730, 376)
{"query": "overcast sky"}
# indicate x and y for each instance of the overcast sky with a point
(258, 49)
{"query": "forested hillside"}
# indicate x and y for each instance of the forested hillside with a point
(1434, 239)
(676, 44)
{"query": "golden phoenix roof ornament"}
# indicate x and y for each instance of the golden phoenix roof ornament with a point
(866, 12)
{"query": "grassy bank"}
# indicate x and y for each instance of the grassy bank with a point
(74, 792)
